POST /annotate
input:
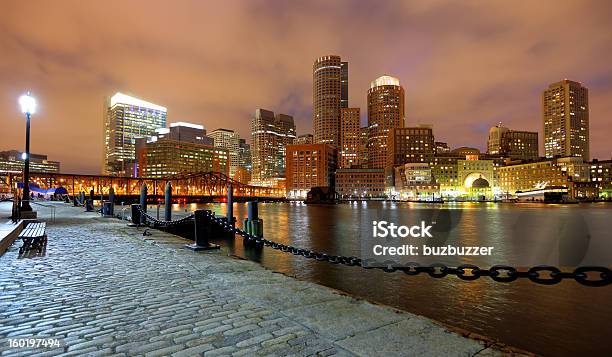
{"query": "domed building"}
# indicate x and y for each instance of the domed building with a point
(480, 189)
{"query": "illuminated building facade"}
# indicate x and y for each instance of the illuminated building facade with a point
(415, 181)
(327, 85)
(244, 156)
(517, 145)
(270, 136)
(385, 112)
(12, 161)
(127, 118)
(166, 157)
(363, 146)
(230, 140)
(565, 119)
(344, 85)
(358, 183)
(601, 175)
(350, 131)
(407, 145)
(530, 176)
(309, 165)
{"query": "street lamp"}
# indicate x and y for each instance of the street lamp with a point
(28, 107)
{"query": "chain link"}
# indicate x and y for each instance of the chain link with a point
(164, 223)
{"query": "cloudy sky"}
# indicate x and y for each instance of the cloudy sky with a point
(465, 65)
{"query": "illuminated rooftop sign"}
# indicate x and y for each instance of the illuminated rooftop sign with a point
(120, 98)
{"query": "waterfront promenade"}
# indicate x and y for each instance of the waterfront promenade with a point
(103, 288)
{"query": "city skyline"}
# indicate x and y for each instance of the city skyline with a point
(459, 78)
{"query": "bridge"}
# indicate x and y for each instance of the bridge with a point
(202, 186)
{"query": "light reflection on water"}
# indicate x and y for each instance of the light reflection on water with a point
(562, 319)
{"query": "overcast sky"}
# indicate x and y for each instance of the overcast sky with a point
(465, 65)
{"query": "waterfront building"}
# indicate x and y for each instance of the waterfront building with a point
(309, 165)
(385, 112)
(357, 183)
(465, 151)
(565, 120)
(163, 157)
(476, 178)
(515, 144)
(244, 156)
(601, 175)
(270, 134)
(304, 139)
(575, 168)
(12, 161)
(531, 176)
(442, 147)
(363, 146)
(350, 131)
(126, 119)
(445, 173)
(329, 94)
(230, 140)
(415, 181)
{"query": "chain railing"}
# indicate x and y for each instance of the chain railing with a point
(164, 223)
(541, 274)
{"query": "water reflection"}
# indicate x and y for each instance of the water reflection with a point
(564, 319)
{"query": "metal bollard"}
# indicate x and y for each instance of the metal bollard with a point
(168, 202)
(203, 232)
(89, 207)
(135, 215)
(107, 209)
(111, 198)
(143, 201)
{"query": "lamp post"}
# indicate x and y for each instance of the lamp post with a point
(28, 107)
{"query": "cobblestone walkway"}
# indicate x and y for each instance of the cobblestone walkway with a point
(101, 289)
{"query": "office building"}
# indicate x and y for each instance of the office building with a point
(385, 112)
(517, 145)
(329, 94)
(309, 165)
(363, 146)
(344, 98)
(12, 161)
(127, 118)
(531, 176)
(406, 145)
(357, 183)
(244, 156)
(270, 135)
(164, 157)
(304, 139)
(228, 139)
(350, 131)
(565, 120)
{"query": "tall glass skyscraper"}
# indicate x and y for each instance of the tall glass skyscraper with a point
(127, 118)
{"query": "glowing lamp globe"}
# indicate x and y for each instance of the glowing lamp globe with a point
(27, 103)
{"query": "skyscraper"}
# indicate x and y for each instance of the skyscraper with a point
(565, 118)
(329, 94)
(126, 119)
(385, 112)
(228, 139)
(344, 66)
(270, 136)
(349, 137)
(245, 155)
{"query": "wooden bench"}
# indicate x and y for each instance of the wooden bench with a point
(34, 236)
